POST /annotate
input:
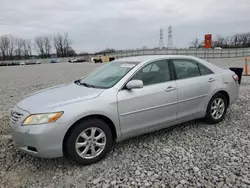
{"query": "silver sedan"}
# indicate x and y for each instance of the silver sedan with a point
(119, 100)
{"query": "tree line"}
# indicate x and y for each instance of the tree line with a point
(16, 48)
(235, 41)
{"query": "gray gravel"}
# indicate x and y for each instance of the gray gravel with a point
(193, 154)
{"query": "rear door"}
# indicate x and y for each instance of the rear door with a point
(194, 84)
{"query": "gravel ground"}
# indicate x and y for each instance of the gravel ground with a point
(193, 154)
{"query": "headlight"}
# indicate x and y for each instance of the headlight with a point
(36, 119)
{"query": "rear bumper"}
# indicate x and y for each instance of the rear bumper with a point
(234, 94)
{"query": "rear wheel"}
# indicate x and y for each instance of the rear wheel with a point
(216, 109)
(89, 141)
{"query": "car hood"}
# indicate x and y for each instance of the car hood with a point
(47, 99)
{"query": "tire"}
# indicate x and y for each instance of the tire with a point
(87, 127)
(215, 105)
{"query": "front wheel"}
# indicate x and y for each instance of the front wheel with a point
(89, 141)
(216, 109)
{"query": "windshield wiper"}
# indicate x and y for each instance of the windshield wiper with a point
(87, 85)
(77, 82)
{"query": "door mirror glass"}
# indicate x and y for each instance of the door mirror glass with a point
(134, 84)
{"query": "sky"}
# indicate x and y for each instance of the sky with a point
(94, 25)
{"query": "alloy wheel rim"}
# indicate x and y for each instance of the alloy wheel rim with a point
(217, 108)
(90, 143)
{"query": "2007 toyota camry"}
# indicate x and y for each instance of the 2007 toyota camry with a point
(121, 99)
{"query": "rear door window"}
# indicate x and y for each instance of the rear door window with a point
(204, 70)
(186, 68)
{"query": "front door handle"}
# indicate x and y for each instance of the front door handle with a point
(211, 80)
(170, 88)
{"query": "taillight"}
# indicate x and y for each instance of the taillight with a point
(235, 77)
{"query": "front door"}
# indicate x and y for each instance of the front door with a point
(151, 106)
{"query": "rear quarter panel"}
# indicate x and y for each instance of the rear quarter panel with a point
(226, 83)
(232, 86)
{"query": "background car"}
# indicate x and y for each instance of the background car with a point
(53, 61)
(77, 60)
(22, 63)
(102, 58)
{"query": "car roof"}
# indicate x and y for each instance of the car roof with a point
(147, 58)
(154, 57)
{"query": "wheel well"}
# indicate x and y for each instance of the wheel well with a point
(226, 95)
(102, 117)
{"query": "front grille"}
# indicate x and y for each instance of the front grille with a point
(15, 116)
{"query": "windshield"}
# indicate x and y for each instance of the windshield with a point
(108, 75)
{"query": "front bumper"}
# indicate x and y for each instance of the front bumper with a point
(44, 140)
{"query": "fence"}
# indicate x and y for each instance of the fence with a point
(201, 53)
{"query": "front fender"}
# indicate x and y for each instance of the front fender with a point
(97, 106)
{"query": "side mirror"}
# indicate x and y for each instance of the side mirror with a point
(134, 84)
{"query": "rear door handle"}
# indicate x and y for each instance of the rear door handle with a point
(170, 88)
(211, 80)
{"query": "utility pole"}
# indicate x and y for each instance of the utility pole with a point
(170, 37)
(161, 43)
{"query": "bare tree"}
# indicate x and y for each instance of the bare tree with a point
(58, 44)
(195, 43)
(236, 41)
(14, 47)
(244, 39)
(241, 40)
(43, 46)
(4, 46)
(66, 44)
(19, 51)
(219, 41)
(27, 48)
(71, 52)
(248, 39)
(11, 47)
(62, 44)
(39, 43)
(47, 46)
